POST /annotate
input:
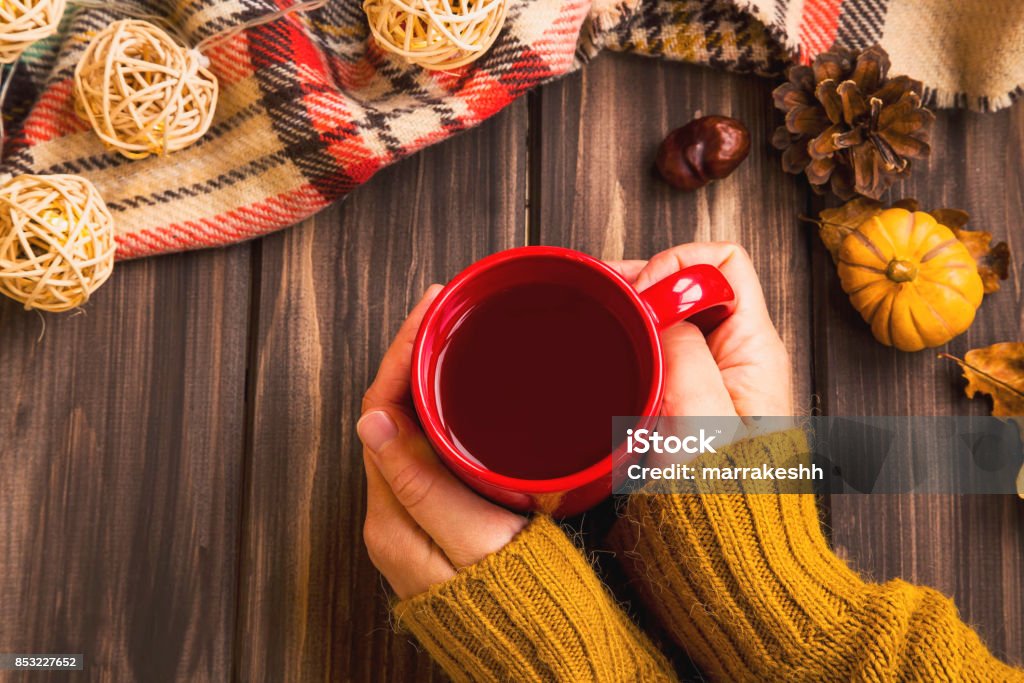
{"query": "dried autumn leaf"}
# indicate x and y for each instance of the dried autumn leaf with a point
(998, 371)
(993, 261)
(835, 224)
(908, 203)
(954, 219)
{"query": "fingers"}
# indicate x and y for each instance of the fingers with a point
(750, 356)
(693, 382)
(421, 522)
(750, 327)
(406, 556)
(627, 269)
(465, 526)
(694, 387)
(391, 386)
(730, 258)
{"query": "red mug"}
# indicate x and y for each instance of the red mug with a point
(699, 293)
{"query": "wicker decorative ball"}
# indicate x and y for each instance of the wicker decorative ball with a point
(436, 34)
(142, 92)
(56, 241)
(23, 22)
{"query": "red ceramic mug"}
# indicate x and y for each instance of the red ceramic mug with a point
(699, 293)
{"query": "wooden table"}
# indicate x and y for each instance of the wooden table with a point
(181, 482)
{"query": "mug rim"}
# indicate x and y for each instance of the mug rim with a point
(422, 385)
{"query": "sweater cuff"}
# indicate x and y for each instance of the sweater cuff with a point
(749, 586)
(534, 610)
(738, 579)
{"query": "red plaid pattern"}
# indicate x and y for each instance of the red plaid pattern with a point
(310, 108)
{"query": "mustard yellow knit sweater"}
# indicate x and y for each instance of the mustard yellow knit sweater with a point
(745, 583)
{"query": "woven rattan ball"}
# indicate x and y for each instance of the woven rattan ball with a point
(23, 22)
(436, 34)
(56, 241)
(142, 92)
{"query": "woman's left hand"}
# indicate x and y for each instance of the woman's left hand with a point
(421, 522)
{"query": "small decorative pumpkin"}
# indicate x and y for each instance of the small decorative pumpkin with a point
(910, 278)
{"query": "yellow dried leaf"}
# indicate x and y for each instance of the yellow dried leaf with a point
(835, 224)
(998, 371)
(993, 262)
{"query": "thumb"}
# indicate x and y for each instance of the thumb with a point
(465, 526)
(693, 382)
(693, 386)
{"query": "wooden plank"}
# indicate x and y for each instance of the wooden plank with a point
(331, 295)
(597, 191)
(121, 438)
(969, 547)
(593, 188)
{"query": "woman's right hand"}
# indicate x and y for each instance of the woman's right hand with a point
(741, 368)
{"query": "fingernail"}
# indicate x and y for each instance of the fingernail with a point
(375, 429)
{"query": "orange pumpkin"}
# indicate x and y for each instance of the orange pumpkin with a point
(910, 278)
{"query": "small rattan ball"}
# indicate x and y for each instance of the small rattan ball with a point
(142, 92)
(436, 34)
(23, 22)
(56, 241)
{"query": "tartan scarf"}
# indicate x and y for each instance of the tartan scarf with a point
(310, 107)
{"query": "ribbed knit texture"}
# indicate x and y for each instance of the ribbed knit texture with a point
(748, 585)
(534, 611)
(745, 583)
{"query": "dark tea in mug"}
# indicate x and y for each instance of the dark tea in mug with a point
(524, 359)
(530, 378)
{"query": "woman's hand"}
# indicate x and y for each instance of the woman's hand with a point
(742, 368)
(421, 522)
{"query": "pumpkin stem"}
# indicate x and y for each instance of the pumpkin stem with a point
(901, 271)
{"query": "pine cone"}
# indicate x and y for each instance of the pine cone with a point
(850, 125)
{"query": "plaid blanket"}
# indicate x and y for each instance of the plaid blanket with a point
(310, 108)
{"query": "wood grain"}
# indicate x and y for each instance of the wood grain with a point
(969, 547)
(183, 489)
(331, 295)
(121, 438)
(594, 187)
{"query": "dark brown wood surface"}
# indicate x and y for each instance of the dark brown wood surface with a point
(329, 296)
(121, 461)
(182, 491)
(969, 547)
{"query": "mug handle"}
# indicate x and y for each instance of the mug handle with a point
(698, 293)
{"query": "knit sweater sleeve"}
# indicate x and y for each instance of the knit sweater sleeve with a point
(533, 611)
(748, 586)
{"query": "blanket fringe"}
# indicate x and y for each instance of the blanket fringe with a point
(604, 16)
(938, 98)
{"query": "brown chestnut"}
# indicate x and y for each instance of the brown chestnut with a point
(705, 149)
